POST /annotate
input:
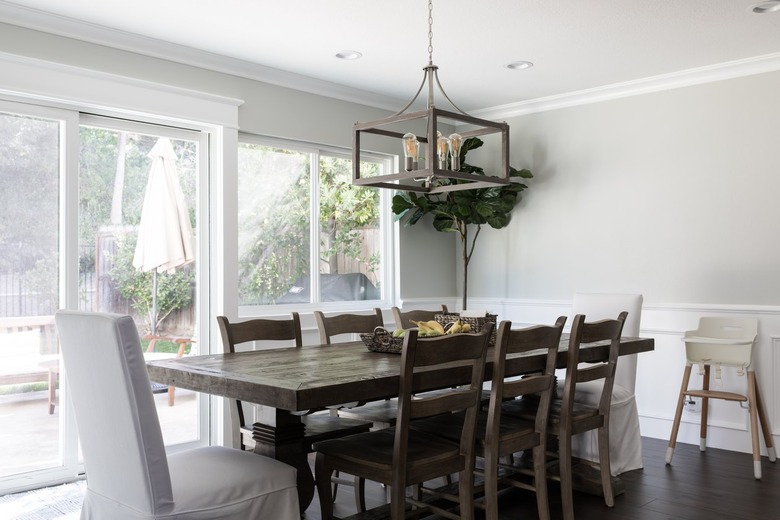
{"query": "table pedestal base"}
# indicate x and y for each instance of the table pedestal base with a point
(284, 442)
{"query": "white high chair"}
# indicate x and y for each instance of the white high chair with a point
(723, 342)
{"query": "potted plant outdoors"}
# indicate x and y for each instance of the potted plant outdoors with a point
(456, 211)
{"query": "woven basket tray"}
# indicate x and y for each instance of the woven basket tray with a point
(477, 324)
(381, 340)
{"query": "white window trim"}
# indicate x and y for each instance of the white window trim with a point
(387, 230)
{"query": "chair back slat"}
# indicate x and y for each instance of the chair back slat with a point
(330, 326)
(259, 330)
(403, 320)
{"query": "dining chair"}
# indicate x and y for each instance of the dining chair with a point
(129, 475)
(568, 417)
(724, 342)
(401, 456)
(404, 319)
(380, 413)
(625, 441)
(318, 426)
(497, 435)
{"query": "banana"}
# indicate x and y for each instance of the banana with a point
(422, 327)
(465, 328)
(455, 327)
(429, 328)
(435, 326)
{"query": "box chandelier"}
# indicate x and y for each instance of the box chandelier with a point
(441, 172)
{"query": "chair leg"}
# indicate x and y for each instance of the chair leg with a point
(678, 414)
(466, 492)
(604, 465)
(540, 482)
(335, 484)
(705, 410)
(171, 395)
(397, 501)
(764, 420)
(322, 476)
(564, 462)
(360, 494)
(754, 424)
(491, 485)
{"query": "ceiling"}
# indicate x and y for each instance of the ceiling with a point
(576, 46)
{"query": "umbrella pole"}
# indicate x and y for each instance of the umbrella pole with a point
(154, 303)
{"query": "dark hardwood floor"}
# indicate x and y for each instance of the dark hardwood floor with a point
(715, 485)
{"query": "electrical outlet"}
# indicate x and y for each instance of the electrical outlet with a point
(692, 405)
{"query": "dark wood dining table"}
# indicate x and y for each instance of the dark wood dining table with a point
(287, 382)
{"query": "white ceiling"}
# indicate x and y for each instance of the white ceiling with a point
(576, 45)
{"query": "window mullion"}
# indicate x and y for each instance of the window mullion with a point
(314, 248)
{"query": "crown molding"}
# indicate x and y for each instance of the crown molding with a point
(686, 78)
(63, 26)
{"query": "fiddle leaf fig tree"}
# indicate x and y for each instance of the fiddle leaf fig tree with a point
(466, 210)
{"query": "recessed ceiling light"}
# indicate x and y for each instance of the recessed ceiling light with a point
(519, 65)
(767, 7)
(349, 55)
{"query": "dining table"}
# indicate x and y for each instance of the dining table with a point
(287, 383)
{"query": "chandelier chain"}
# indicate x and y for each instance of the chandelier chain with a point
(430, 31)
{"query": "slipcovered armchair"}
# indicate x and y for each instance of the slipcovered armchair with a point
(129, 475)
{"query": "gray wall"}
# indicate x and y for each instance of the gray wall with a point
(671, 194)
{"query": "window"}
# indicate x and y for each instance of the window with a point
(306, 235)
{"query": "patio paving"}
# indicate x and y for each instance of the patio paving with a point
(29, 436)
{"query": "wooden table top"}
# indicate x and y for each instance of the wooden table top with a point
(298, 379)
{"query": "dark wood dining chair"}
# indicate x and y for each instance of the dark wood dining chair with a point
(404, 319)
(380, 413)
(401, 456)
(568, 417)
(318, 426)
(499, 436)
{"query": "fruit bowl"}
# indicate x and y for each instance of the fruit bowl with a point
(382, 340)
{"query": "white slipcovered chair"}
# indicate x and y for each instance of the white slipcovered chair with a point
(129, 475)
(625, 443)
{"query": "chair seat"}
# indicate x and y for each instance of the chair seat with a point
(381, 413)
(231, 490)
(511, 430)
(373, 452)
(324, 427)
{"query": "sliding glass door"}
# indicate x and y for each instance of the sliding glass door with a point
(74, 192)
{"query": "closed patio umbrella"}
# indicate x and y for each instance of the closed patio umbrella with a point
(165, 237)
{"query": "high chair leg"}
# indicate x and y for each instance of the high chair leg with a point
(678, 414)
(764, 420)
(754, 424)
(705, 409)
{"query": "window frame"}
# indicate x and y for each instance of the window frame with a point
(387, 231)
